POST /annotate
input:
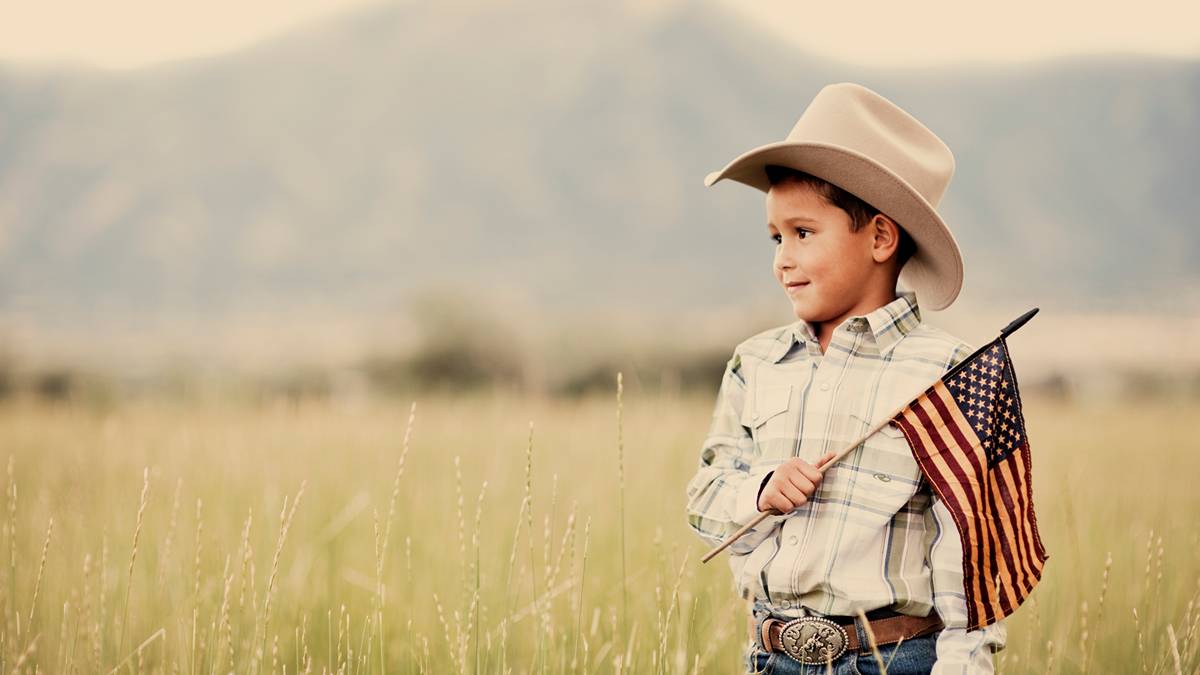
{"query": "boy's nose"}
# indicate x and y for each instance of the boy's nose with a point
(783, 259)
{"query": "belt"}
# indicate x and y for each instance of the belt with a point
(818, 639)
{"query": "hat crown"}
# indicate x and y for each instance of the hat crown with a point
(853, 117)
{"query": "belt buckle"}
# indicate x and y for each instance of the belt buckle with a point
(813, 640)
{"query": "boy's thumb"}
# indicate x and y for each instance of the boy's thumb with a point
(825, 459)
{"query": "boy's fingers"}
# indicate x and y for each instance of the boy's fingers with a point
(824, 459)
(793, 490)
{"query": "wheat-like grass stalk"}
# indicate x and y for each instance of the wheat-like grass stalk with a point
(1140, 641)
(1149, 560)
(666, 626)
(621, 502)
(1192, 620)
(285, 517)
(532, 558)
(462, 525)
(1083, 633)
(1174, 649)
(169, 539)
(387, 531)
(102, 603)
(137, 531)
(196, 567)
(474, 619)
(871, 640)
(548, 521)
(85, 618)
(223, 631)
(161, 632)
(245, 554)
(11, 493)
(37, 585)
(1158, 566)
(437, 603)
(24, 655)
(568, 533)
(62, 637)
(1103, 587)
(896, 650)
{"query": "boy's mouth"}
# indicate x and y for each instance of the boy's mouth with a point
(795, 285)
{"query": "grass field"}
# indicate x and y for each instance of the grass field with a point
(488, 537)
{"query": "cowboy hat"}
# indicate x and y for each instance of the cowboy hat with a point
(861, 142)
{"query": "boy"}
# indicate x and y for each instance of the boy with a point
(851, 199)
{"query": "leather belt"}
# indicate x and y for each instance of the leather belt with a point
(818, 639)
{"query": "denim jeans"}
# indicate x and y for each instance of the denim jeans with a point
(913, 656)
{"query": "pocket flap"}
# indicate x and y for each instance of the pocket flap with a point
(770, 400)
(888, 429)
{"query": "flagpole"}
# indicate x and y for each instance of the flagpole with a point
(1005, 332)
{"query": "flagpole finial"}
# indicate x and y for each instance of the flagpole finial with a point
(1018, 322)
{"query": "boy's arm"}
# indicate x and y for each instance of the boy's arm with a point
(958, 651)
(723, 495)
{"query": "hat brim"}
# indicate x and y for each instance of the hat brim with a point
(934, 272)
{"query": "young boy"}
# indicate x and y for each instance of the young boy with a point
(851, 199)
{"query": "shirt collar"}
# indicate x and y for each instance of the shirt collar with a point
(886, 324)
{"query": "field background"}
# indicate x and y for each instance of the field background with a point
(285, 285)
(1114, 490)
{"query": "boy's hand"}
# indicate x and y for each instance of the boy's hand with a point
(791, 484)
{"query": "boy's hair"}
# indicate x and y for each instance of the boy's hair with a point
(860, 212)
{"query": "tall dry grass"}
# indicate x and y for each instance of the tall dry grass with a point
(491, 534)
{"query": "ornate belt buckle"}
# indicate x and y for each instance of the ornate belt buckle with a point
(813, 640)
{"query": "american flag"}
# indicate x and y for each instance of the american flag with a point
(968, 434)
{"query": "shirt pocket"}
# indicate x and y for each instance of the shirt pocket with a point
(767, 414)
(890, 474)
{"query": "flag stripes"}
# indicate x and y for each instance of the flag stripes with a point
(967, 434)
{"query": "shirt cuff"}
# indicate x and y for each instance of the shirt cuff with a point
(746, 501)
(960, 652)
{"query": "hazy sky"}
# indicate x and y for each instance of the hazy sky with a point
(131, 33)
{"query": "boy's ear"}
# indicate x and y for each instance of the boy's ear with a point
(885, 237)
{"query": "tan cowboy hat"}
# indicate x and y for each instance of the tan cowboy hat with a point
(869, 146)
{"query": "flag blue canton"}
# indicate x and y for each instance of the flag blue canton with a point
(985, 391)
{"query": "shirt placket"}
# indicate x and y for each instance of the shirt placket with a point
(798, 532)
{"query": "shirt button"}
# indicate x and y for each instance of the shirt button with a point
(824, 386)
(792, 540)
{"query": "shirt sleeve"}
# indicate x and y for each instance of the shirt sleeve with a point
(723, 494)
(959, 652)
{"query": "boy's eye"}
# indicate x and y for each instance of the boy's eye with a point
(800, 233)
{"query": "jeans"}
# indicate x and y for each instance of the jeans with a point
(913, 656)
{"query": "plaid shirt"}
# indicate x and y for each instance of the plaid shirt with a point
(873, 534)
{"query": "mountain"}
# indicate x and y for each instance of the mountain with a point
(553, 151)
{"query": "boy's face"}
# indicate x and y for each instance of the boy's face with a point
(839, 271)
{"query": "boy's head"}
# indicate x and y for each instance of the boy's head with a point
(883, 167)
(835, 254)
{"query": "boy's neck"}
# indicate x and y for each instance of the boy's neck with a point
(867, 304)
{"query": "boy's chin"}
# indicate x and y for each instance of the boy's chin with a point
(801, 310)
